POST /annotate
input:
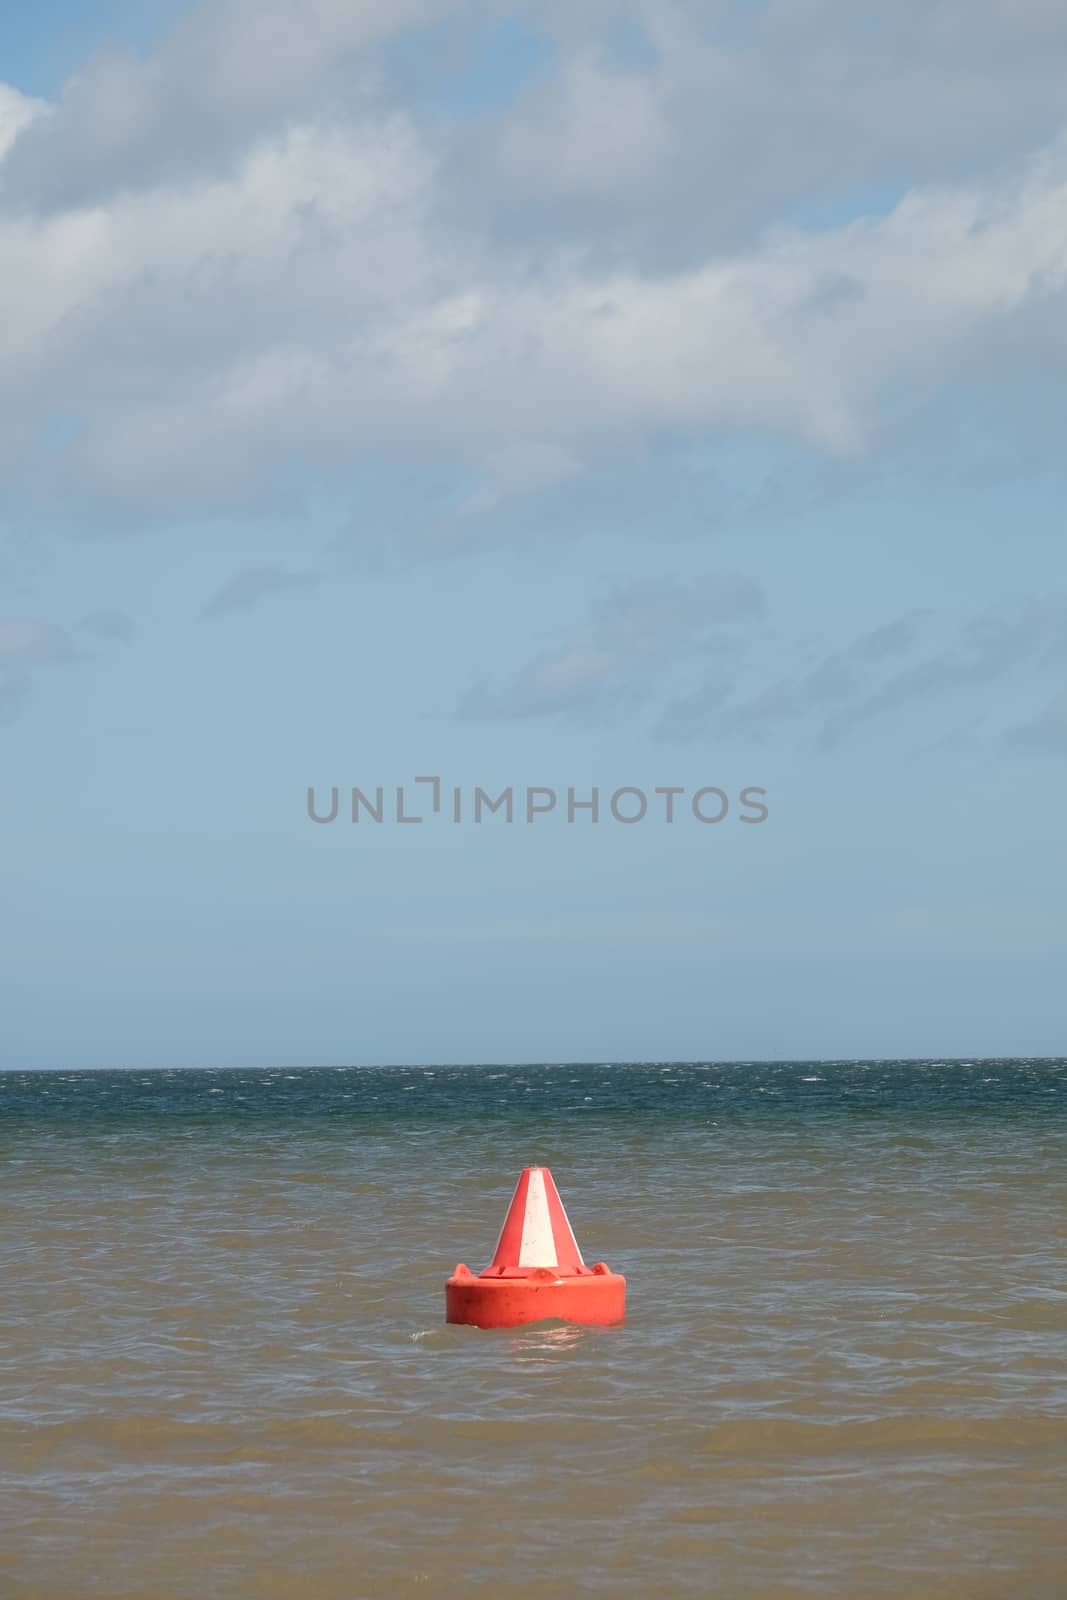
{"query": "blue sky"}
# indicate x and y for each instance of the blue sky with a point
(560, 396)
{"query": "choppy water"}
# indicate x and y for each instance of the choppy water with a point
(224, 1370)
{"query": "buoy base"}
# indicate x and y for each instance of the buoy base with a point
(596, 1298)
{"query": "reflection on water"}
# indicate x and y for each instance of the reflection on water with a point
(225, 1372)
(543, 1343)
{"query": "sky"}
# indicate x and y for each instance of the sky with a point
(551, 399)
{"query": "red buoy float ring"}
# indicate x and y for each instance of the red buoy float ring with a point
(537, 1270)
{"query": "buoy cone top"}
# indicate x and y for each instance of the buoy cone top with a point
(536, 1231)
(537, 1270)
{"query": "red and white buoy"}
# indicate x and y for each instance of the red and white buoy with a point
(537, 1270)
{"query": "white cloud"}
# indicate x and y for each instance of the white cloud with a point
(32, 643)
(869, 678)
(254, 277)
(606, 661)
(252, 585)
(17, 111)
(230, 71)
(593, 131)
(784, 108)
(1046, 731)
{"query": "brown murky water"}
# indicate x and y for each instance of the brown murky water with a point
(224, 1370)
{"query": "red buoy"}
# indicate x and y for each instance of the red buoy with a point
(537, 1270)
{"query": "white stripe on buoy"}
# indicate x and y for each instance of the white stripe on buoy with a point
(538, 1247)
(570, 1231)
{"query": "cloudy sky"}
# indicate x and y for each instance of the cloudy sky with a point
(640, 395)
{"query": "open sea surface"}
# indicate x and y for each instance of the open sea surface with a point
(225, 1371)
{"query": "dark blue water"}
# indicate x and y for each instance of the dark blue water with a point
(653, 1093)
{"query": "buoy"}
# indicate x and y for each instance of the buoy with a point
(537, 1270)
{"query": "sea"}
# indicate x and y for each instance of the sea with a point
(225, 1371)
